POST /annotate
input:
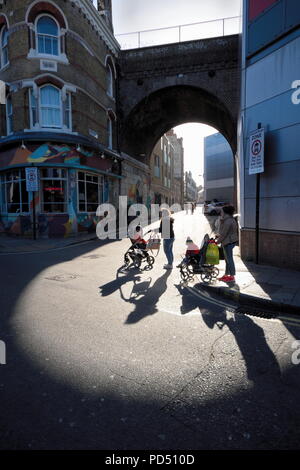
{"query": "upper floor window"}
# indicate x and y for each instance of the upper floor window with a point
(49, 110)
(109, 133)
(47, 31)
(9, 115)
(4, 46)
(110, 81)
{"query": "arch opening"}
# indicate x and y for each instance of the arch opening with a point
(167, 108)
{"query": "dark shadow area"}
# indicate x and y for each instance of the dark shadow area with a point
(41, 410)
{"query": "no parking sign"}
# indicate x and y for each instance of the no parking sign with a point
(32, 181)
(257, 147)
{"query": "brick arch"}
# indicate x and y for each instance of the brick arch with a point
(49, 80)
(169, 107)
(46, 7)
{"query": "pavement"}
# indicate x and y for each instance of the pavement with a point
(257, 285)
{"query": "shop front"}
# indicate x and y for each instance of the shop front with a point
(72, 182)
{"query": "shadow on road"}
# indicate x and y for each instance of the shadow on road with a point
(58, 406)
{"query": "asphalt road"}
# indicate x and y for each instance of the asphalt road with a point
(101, 358)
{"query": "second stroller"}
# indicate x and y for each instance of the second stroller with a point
(195, 262)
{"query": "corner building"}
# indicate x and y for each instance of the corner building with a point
(58, 62)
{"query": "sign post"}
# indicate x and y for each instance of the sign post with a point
(256, 166)
(32, 185)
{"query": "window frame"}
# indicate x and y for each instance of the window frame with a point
(100, 185)
(9, 116)
(40, 107)
(110, 81)
(3, 194)
(41, 192)
(37, 34)
(3, 47)
(65, 107)
(109, 132)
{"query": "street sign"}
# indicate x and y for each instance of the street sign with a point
(257, 148)
(32, 179)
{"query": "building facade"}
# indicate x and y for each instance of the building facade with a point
(190, 188)
(218, 179)
(270, 97)
(177, 143)
(162, 189)
(58, 61)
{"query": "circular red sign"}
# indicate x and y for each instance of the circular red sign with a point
(256, 147)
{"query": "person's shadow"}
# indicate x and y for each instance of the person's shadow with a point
(146, 304)
(260, 361)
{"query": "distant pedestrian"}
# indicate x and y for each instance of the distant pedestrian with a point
(228, 237)
(167, 234)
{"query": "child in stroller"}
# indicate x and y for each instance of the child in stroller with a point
(194, 262)
(137, 252)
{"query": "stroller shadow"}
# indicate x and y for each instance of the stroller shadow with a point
(112, 286)
(146, 303)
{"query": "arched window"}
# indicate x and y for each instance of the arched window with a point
(47, 31)
(110, 81)
(51, 107)
(4, 46)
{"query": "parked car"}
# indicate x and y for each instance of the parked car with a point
(214, 208)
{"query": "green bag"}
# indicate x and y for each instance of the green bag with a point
(212, 254)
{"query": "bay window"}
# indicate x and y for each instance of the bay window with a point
(14, 197)
(90, 191)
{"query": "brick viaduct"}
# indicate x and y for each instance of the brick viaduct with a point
(164, 86)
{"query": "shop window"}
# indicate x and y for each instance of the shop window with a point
(90, 191)
(14, 197)
(54, 190)
(47, 33)
(4, 47)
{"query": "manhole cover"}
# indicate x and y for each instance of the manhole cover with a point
(62, 277)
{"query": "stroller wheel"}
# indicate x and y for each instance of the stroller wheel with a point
(150, 260)
(215, 272)
(206, 277)
(185, 275)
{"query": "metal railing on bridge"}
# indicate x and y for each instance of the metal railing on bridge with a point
(180, 33)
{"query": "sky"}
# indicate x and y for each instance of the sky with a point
(139, 15)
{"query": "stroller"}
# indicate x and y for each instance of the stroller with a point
(138, 253)
(195, 264)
